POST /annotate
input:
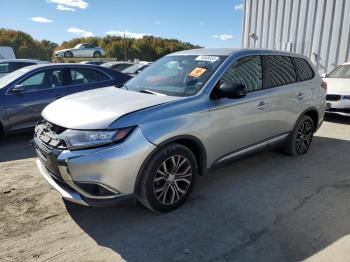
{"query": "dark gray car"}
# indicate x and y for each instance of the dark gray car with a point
(25, 92)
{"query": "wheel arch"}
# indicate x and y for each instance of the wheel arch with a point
(311, 112)
(191, 142)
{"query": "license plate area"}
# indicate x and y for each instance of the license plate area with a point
(328, 106)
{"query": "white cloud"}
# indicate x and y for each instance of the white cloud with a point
(69, 5)
(223, 37)
(79, 32)
(127, 34)
(64, 8)
(40, 19)
(239, 7)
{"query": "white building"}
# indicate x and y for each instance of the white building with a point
(319, 29)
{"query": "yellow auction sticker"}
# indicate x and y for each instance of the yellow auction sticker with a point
(197, 72)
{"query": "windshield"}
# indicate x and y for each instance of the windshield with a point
(78, 46)
(183, 75)
(4, 81)
(342, 71)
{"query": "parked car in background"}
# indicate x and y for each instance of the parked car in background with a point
(26, 91)
(338, 97)
(6, 52)
(118, 66)
(136, 68)
(81, 50)
(10, 65)
(100, 62)
(184, 114)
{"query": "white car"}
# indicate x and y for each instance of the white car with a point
(81, 50)
(10, 65)
(338, 97)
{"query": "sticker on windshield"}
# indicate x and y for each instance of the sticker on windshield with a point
(197, 72)
(207, 58)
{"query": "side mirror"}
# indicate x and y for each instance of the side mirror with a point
(18, 89)
(232, 90)
(324, 75)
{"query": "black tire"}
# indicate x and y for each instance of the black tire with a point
(68, 54)
(299, 141)
(154, 178)
(97, 54)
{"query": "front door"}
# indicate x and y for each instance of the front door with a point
(25, 102)
(240, 123)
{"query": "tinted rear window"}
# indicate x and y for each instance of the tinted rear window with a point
(303, 68)
(280, 71)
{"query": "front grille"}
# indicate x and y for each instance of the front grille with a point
(48, 134)
(333, 97)
(340, 110)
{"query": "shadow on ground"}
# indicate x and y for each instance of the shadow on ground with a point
(266, 207)
(16, 147)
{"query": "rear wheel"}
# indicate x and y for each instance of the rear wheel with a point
(300, 139)
(168, 178)
(68, 54)
(97, 54)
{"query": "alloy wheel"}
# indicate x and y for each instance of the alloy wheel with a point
(304, 137)
(172, 180)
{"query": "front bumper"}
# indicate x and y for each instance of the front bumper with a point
(340, 107)
(113, 168)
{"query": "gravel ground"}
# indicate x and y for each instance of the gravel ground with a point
(266, 207)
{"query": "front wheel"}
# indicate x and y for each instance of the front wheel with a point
(97, 54)
(299, 141)
(168, 178)
(68, 54)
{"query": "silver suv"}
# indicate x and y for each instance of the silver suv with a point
(184, 114)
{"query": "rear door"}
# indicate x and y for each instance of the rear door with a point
(287, 95)
(24, 105)
(82, 79)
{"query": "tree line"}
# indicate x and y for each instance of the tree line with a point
(148, 48)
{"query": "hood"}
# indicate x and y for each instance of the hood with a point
(63, 50)
(99, 108)
(338, 86)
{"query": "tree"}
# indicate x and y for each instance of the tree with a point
(148, 48)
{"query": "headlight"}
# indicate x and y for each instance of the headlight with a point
(82, 139)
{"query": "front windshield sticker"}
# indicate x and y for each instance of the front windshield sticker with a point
(197, 72)
(207, 58)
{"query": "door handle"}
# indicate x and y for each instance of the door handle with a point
(300, 96)
(262, 105)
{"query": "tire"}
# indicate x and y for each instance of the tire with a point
(299, 141)
(97, 54)
(68, 54)
(161, 189)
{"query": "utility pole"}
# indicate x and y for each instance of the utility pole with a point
(124, 48)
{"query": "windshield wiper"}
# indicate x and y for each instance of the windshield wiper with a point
(147, 91)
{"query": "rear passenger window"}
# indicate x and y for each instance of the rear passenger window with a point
(280, 71)
(246, 71)
(85, 76)
(303, 68)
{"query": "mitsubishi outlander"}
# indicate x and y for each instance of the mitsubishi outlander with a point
(184, 114)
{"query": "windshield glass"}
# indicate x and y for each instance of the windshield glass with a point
(183, 75)
(4, 81)
(78, 46)
(342, 71)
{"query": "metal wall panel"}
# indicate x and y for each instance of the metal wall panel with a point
(319, 29)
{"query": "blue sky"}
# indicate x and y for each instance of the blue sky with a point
(210, 23)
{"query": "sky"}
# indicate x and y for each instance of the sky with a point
(209, 23)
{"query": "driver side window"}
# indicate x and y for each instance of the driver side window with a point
(246, 71)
